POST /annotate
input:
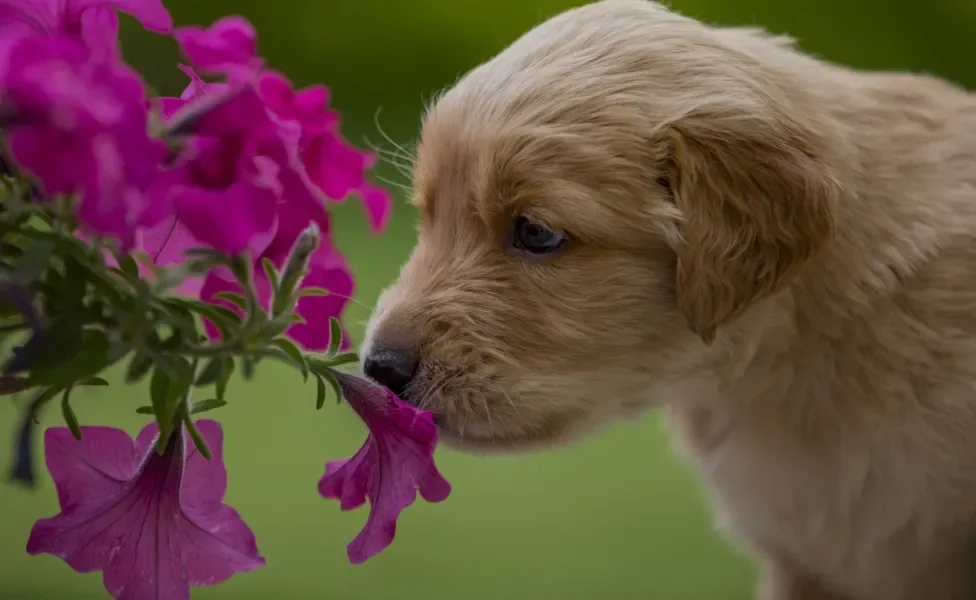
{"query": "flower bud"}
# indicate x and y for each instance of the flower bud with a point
(295, 267)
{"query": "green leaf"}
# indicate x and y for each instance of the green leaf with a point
(278, 325)
(335, 336)
(234, 298)
(205, 405)
(198, 440)
(284, 301)
(248, 364)
(128, 266)
(88, 360)
(78, 275)
(145, 410)
(59, 342)
(296, 356)
(212, 373)
(334, 383)
(33, 262)
(271, 271)
(94, 381)
(143, 258)
(338, 360)
(225, 320)
(69, 414)
(221, 386)
(159, 395)
(167, 392)
(179, 317)
(208, 253)
(138, 367)
(319, 392)
(225, 313)
(211, 311)
(272, 329)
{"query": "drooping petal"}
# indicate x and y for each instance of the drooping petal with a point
(335, 166)
(395, 463)
(196, 87)
(93, 22)
(168, 106)
(153, 524)
(379, 206)
(309, 107)
(229, 46)
(151, 14)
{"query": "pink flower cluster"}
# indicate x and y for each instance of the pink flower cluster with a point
(243, 163)
(240, 162)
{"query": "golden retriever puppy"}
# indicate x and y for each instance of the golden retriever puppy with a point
(629, 209)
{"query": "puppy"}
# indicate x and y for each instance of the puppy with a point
(629, 209)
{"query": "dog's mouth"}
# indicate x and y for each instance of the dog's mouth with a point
(481, 438)
(467, 425)
(466, 441)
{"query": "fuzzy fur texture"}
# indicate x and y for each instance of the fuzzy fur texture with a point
(778, 251)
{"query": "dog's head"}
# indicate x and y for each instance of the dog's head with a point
(596, 203)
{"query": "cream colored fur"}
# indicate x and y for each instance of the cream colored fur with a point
(778, 251)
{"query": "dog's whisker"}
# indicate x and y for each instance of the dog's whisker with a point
(350, 299)
(429, 397)
(405, 189)
(376, 121)
(394, 158)
(484, 403)
(509, 399)
(399, 155)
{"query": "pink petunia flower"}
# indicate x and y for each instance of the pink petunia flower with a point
(334, 165)
(77, 122)
(92, 21)
(243, 181)
(240, 162)
(395, 463)
(227, 183)
(269, 212)
(153, 524)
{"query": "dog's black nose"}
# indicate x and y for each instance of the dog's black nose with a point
(391, 368)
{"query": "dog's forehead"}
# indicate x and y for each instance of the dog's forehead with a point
(444, 173)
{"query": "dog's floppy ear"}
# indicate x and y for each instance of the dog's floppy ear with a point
(756, 194)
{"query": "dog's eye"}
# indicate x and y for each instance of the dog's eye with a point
(535, 238)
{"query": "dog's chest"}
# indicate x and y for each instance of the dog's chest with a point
(851, 513)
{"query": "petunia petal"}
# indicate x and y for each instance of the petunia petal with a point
(228, 46)
(151, 14)
(93, 22)
(242, 217)
(379, 206)
(154, 534)
(395, 463)
(80, 126)
(87, 470)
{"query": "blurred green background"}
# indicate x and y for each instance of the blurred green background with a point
(616, 516)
